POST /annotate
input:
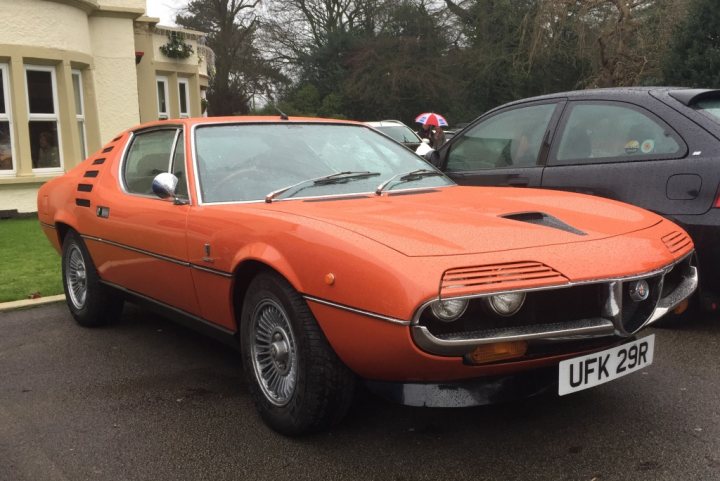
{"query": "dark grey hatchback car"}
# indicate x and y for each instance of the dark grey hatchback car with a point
(658, 148)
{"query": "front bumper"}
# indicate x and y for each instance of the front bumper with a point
(612, 320)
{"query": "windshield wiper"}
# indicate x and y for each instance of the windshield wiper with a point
(408, 177)
(336, 178)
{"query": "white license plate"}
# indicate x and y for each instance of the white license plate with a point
(600, 367)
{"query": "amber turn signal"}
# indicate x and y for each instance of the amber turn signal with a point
(682, 307)
(497, 352)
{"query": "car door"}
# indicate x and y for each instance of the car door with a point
(145, 236)
(623, 151)
(507, 147)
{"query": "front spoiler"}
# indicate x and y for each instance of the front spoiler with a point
(475, 392)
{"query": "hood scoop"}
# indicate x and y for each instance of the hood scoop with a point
(541, 218)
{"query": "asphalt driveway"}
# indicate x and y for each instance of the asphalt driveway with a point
(148, 400)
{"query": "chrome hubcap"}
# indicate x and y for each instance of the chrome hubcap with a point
(274, 352)
(76, 277)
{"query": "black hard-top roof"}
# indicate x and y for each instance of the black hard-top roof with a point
(684, 95)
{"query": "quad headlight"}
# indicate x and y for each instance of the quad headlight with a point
(506, 305)
(449, 310)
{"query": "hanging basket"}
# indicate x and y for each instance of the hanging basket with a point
(176, 47)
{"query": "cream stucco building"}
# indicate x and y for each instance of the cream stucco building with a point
(74, 73)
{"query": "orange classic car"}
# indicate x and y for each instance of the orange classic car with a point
(329, 253)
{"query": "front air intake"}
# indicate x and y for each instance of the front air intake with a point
(498, 277)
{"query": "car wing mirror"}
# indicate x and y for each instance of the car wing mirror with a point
(164, 185)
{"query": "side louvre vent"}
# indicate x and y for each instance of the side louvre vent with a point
(107, 149)
(99, 161)
(497, 277)
(91, 173)
(82, 202)
(676, 241)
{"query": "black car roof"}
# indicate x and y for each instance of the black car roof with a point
(684, 95)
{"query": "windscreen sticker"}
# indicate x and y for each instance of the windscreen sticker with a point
(632, 146)
(647, 146)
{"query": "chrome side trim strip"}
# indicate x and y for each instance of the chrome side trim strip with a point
(49, 226)
(356, 311)
(227, 275)
(139, 251)
(459, 347)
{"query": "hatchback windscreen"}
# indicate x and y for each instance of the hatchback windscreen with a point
(711, 107)
(251, 162)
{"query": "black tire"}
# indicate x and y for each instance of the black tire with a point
(321, 386)
(90, 302)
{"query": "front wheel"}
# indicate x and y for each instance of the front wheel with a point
(91, 303)
(298, 383)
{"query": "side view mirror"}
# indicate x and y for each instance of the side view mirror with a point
(164, 185)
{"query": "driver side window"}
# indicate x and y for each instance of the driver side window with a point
(148, 156)
(508, 139)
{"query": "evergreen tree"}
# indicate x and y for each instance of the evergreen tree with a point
(693, 59)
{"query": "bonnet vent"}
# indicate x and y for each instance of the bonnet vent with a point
(541, 218)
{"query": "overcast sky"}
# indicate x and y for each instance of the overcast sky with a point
(165, 9)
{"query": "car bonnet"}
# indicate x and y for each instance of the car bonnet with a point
(472, 220)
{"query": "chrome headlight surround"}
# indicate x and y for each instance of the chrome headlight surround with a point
(449, 310)
(507, 304)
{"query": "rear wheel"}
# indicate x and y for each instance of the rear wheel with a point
(298, 383)
(90, 302)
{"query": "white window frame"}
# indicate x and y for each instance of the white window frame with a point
(80, 117)
(162, 115)
(186, 83)
(7, 117)
(54, 117)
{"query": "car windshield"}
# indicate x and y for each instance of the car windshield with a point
(249, 162)
(711, 107)
(401, 133)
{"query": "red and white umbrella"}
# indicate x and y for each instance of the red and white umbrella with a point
(431, 118)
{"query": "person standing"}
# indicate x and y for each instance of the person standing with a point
(438, 138)
(426, 132)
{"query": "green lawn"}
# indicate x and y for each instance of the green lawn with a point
(28, 263)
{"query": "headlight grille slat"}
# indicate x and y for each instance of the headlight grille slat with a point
(466, 280)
